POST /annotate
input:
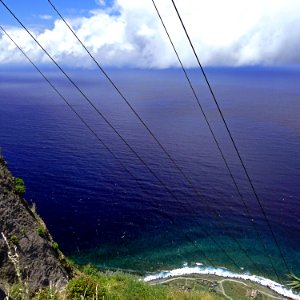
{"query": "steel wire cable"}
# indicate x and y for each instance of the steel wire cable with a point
(233, 141)
(119, 135)
(250, 217)
(149, 130)
(97, 136)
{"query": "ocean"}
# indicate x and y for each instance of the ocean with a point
(98, 213)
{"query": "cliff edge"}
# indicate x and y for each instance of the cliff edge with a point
(28, 254)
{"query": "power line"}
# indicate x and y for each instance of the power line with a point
(232, 139)
(119, 135)
(95, 134)
(146, 127)
(215, 241)
(67, 102)
(214, 136)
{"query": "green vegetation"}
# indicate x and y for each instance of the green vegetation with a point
(14, 239)
(294, 282)
(90, 284)
(55, 246)
(235, 290)
(17, 292)
(47, 294)
(89, 269)
(82, 285)
(120, 286)
(222, 288)
(41, 231)
(20, 186)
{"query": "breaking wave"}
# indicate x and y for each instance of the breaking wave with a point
(223, 272)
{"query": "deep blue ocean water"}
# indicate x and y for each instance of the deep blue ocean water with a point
(99, 214)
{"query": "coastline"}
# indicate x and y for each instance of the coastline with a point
(200, 269)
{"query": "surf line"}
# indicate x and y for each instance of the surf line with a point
(223, 272)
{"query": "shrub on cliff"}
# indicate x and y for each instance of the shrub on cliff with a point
(55, 246)
(82, 287)
(20, 186)
(14, 239)
(41, 230)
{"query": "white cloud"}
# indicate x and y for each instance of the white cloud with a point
(231, 32)
(100, 2)
(46, 17)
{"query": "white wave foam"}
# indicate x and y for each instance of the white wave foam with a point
(223, 272)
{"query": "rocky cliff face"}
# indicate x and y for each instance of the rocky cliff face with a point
(27, 251)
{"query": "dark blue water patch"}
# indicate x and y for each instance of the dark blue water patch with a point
(98, 213)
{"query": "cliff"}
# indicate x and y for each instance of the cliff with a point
(31, 261)
(28, 254)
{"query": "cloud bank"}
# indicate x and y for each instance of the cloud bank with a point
(224, 33)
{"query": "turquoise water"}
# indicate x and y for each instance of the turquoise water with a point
(98, 214)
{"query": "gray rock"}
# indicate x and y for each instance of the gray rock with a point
(40, 265)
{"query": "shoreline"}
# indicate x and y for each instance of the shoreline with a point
(226, 274)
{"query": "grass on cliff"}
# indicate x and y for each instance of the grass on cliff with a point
(92, 284)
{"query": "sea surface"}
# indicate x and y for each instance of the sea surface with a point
(99, 213)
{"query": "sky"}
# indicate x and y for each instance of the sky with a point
(128, 33)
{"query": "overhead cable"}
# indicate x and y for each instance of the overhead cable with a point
(175, 164)
(232, 140)
(118, 134)
(215, 139)
(96, 135)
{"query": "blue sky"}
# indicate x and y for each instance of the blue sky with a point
(122, 33)
(38, 12)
